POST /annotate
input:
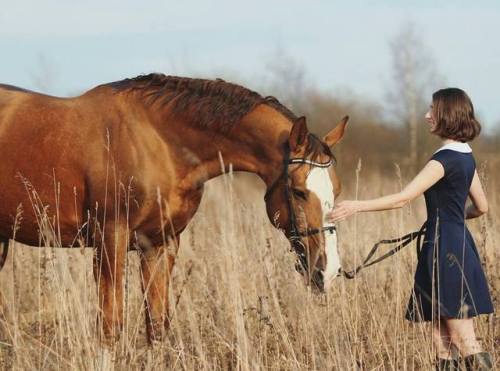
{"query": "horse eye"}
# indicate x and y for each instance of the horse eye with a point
(299, 193)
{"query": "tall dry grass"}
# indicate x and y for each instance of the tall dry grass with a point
(241, 305)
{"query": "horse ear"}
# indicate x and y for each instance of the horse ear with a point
(298, 135)
(336, 134)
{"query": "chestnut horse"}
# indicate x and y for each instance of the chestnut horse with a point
(122, 167)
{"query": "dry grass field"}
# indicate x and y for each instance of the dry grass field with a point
(241, 305)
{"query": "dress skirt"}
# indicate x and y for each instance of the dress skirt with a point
(449, 279)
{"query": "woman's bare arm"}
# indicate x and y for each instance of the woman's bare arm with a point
(428, 176)
(479, 204)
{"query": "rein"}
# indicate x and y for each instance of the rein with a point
(404, 241)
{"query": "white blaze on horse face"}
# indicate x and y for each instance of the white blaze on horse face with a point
(319, 182)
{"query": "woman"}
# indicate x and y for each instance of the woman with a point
(450, 286)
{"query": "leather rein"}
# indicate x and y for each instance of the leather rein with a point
(404, 241)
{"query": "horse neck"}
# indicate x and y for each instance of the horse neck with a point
(255, 144)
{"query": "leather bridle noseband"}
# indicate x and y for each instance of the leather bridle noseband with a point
(295, 234)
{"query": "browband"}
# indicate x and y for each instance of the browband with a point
(310, 162)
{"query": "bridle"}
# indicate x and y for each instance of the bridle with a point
(295, 234)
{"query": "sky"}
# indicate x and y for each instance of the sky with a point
(66, 47)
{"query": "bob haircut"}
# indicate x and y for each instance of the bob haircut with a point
(453, 113)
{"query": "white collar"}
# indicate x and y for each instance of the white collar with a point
(456, 146)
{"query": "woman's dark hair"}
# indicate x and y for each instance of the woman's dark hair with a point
(453, 113)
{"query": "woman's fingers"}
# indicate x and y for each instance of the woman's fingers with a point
(341, 211)
(338, 213)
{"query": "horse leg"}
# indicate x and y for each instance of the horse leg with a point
(4, 250)
(156, 267)
(109, 267)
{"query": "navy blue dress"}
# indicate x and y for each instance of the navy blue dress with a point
(449, 280)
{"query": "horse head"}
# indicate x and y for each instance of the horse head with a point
(299, 199)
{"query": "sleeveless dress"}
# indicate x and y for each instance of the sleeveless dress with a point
(449, 279)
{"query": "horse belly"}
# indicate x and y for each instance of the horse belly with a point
(41, 191)
(39, 215)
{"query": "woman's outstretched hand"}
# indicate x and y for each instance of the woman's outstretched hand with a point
(343, 210)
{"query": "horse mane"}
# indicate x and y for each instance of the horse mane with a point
(211, 104)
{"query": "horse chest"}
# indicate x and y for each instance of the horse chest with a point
(183, 206)
(177, 209)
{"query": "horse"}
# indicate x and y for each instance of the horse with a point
(122, 167)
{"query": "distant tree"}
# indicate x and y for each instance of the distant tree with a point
(414, 78)
(286, 79)
(368, 132)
